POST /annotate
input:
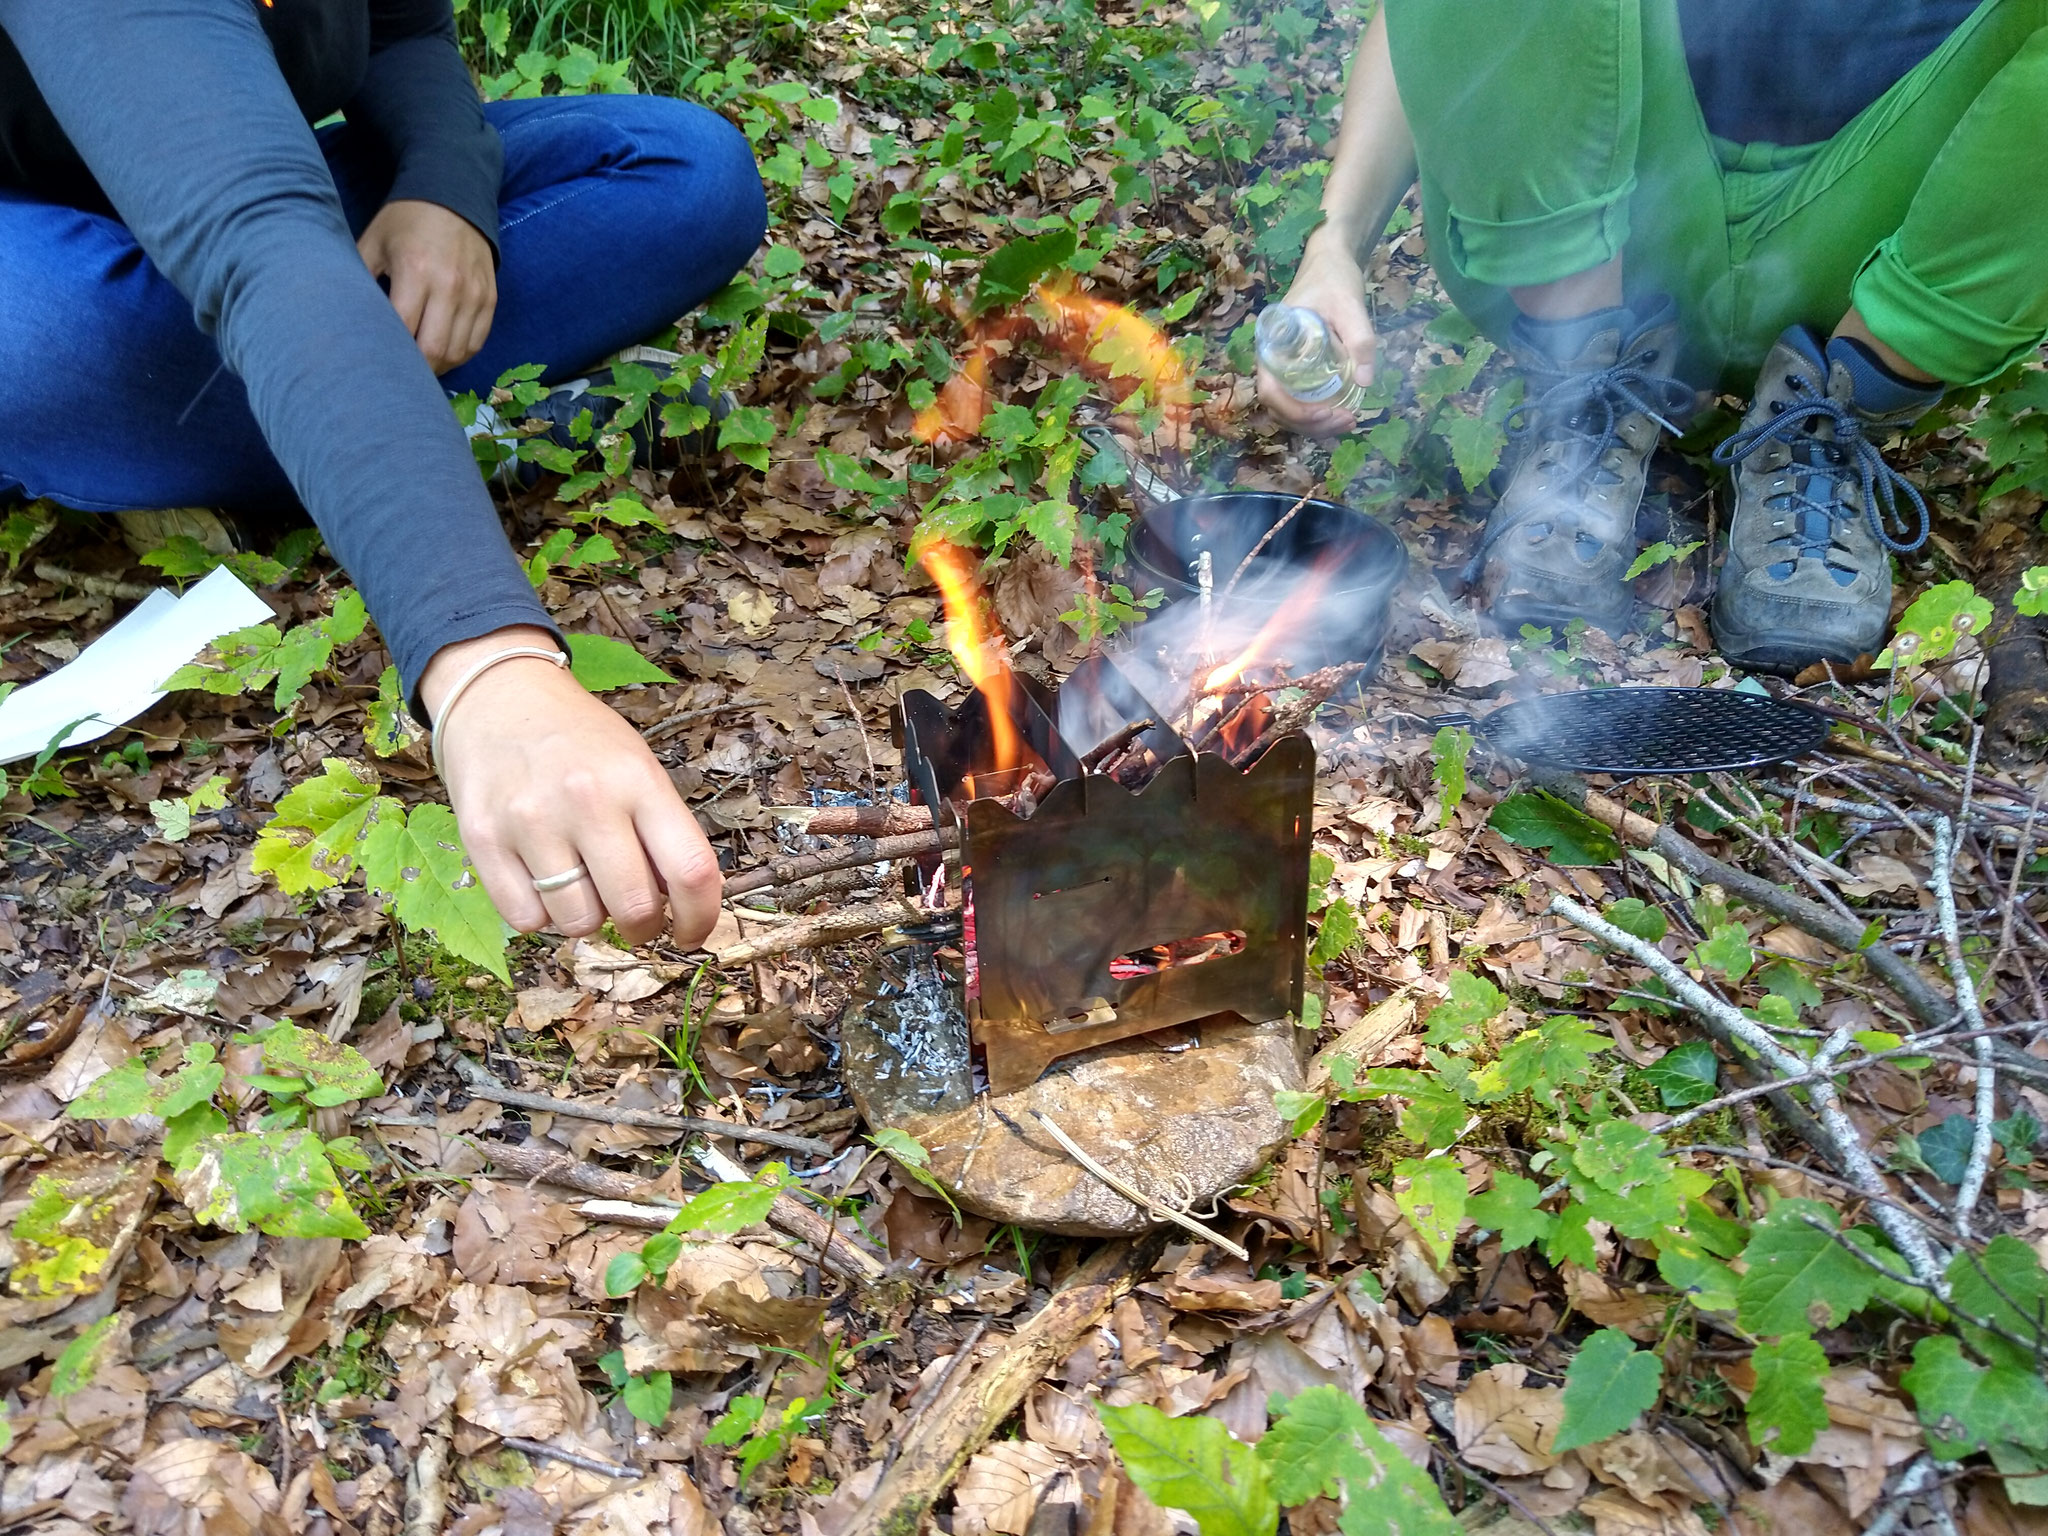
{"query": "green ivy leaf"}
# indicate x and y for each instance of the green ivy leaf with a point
(1014, 269)
(601, 664)
(731, 1207)
(1945, 1147)
(1433, 1202)
(314, 837)
(420, 864)
(1471, 1002)
(1965, 1406)
(1323, 1443)
(277, 1182)
(1537, 819)
(1787, 1408)
(1726, 950)
(1510, 1209)
(1685, 1075)
(2005, 1286)
(334, 1073)
(1196, 1465)
(1935, 622)
(623, 1275)
(1799, 1278)
(1608, 1386)
(1637, 918)
(648, 1397)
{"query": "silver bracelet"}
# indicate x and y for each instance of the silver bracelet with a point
(559, 658)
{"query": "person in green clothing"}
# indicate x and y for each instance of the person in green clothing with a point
(1838, 211)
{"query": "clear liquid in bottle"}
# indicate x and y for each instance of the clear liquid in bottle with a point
(1298, 348)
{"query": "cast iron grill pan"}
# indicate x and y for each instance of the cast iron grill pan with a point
(1633, 731)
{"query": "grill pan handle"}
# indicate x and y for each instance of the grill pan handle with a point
(1147, 482)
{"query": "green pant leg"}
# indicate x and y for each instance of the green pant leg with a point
(1551, 135)
(1525, 119)
(1962, 289)
(1929, 212)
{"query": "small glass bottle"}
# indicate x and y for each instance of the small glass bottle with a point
(1298, 348)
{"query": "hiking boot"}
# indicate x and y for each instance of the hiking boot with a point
(149, 531)
(1600, 391)
(1809, 574)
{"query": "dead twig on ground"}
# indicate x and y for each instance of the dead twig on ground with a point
(848, 1259)
(649, 1120)
(1986, 1106)
(958, 1421)
(1130, 1191)
(426, 1480)
(1841, 1145)
(836, 1250)
(569, 1459)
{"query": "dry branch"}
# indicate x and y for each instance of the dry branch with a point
(1840, 1144)
(847, 1258)
(836, 1251)
(864, 851)
(856, 820)
(980, 1398)
(649, 1120)
(826, 928)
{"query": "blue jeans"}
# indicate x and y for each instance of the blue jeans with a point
(617, 216)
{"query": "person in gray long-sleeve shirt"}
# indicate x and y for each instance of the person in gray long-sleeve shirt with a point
(194, 309)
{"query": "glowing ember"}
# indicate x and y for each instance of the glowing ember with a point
(974, 645)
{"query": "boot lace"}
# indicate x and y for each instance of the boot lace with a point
(1831, 466)
(1583, 410)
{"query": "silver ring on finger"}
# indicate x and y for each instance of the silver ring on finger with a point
(566, 878)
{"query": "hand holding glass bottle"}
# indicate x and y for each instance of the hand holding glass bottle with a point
(1332, 350)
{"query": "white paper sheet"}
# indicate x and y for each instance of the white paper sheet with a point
(121, 674)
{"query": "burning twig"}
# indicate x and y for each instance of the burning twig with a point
(865, 851)
(1110, 746)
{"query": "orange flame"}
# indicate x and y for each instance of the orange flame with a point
(1292, 617)
(1110, 343)
(974, 644)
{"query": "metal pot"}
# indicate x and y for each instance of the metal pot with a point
(1356, 561)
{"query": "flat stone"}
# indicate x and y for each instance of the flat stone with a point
(1185, 1114)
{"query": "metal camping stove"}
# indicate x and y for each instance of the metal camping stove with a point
(1101, 912)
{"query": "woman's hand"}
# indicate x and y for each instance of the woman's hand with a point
(1330, 282)
(543, 777)
(440, 276)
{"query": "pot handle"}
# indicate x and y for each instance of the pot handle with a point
(1145, 481)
